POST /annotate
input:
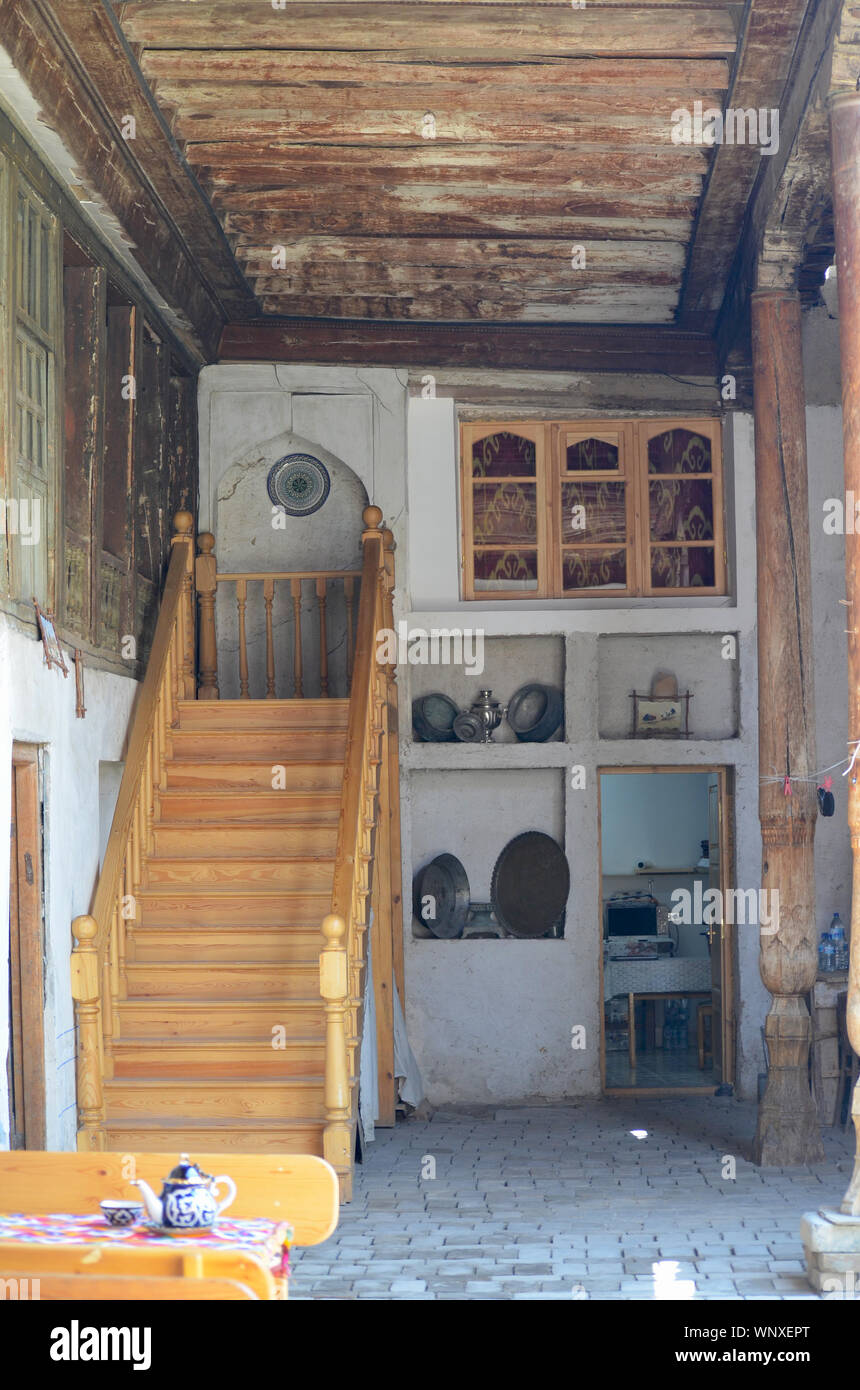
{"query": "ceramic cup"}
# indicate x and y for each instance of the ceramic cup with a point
(121, 1213)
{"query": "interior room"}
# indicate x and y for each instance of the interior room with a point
(659, 856)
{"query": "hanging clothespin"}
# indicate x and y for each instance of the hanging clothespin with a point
(827, 783)
(786, 785)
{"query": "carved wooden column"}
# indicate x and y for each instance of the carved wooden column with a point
(788, 1130)
(845, 146)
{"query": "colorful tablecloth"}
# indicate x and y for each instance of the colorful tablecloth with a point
(268, 1241)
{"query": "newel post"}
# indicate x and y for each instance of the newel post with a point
(183, 534)
(205, 574)
(337, 1132)
(88, 1017)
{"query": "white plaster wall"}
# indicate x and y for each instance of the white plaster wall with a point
(38, 706)
(531, 1054)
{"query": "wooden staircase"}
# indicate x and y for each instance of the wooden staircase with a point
(220, 1041)
(219, 982)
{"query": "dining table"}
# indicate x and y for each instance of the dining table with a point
(267, 1241)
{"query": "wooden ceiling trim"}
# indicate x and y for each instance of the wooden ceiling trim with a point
(476, 216)
(524, 347)
(484, 30)
(765, 56)
(588, 304)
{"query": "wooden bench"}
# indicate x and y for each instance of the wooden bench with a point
(298, 1188)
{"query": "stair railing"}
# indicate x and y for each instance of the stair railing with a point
(343, 959)
(98, 957)
(311, 589)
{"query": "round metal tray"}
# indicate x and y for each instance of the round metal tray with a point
(531, 881)
(445, 881)
(433, 718)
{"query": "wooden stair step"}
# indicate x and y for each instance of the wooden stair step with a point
(166, 905)
(294, 1136)
(227, 941)
(297, 875)
(219, 1019)
(263, 714)
(221, 979)
(226, 1098)
(228, 806)
(217, 1058)
(279, 745)
(320, 775)
(185, 840)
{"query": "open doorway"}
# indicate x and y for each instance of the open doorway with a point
(666, 974)
(26, 1055)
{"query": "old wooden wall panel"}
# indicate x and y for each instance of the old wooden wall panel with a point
(84, 314)
(118, 485)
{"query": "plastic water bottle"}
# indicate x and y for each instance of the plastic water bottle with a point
(826, 954)
(840, 945)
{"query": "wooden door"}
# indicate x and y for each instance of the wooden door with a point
(26, 1064)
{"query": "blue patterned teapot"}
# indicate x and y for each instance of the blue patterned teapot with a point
(188, 1201)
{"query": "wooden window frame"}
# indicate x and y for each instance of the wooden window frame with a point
(470, 435)
(551, 439)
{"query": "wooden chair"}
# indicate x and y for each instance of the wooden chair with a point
(298, 1188)
(704, 1011)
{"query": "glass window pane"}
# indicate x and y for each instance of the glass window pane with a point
(683, 567)
(504, 512)
(593, 512)
(589, 455)
(679, 451)
(506, 569)
(504, 455)
(681, 511)
(594, 569)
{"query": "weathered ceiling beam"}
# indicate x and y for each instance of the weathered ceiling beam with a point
(765, 55)
(439, 30)
(525, 347)
(789, 213)
(81, 73)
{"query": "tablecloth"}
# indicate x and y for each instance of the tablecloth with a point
(268, 1241)
(651, 976)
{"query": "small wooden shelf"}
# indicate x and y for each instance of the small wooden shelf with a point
(646, 873)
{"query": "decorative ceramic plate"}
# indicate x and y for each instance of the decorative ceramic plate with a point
(299, 483)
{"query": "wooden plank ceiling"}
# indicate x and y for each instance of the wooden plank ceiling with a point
(307, 127)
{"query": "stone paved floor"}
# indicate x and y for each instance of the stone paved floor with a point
(562, 1201)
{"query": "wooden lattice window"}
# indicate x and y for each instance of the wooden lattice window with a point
(561, 510)
(30, 489)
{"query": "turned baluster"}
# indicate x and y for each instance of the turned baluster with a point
(321, 602)
(241, 599)
(268, 598)
(296, 591)
(90, 1070)
(337, 1131)
(349, 596)
(206, 581)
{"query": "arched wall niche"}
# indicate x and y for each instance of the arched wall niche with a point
(254, 536)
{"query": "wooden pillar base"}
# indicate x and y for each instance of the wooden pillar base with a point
(788, 1132)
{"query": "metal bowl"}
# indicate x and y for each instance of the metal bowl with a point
(536, 712)
(468, 727)
(433, 718)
